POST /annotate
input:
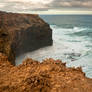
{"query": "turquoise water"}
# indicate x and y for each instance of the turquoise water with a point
(72, 42)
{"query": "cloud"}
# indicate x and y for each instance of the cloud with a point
(32, 1)
(2, 5)
(44, 5)
(72, 3)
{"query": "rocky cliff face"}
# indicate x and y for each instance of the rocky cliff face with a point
(5, 45)
(48, 76)
(26, 32)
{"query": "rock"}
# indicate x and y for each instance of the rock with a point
(5, 45)
(27, 32)
(49, 76)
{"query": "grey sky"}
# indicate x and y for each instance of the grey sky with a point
(45, 6)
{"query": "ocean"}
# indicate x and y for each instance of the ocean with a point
(72, 42)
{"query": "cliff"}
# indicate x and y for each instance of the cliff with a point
(20, 33)
(23, 33)
(48, 76)
(5, 45)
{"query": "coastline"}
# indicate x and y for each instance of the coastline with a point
(32, 76)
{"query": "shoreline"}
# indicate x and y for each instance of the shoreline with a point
(16, 35)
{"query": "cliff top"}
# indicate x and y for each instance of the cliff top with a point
(8, 19)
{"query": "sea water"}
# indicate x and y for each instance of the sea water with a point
(72, 42)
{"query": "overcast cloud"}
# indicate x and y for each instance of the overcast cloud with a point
(45, 5)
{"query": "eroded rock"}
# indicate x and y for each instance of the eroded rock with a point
(24, 32)
(49, 76)
(5, 45)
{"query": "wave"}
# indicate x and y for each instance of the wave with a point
(75, 31)
(81, 32)
(78, 29)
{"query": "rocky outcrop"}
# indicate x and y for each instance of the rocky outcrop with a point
(26, 32)
(48, 76)
(5, 45)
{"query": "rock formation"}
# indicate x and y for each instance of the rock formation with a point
(26, 32)
(5, 45)
(20, 33)
(48, 76)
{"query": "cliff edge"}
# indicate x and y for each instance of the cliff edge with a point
(23, 32)
(48, 76)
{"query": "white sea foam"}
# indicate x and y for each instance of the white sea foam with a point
(68, 48)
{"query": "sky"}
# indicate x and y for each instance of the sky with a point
(47, 6)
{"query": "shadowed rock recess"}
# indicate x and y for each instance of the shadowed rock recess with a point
(20, 33)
